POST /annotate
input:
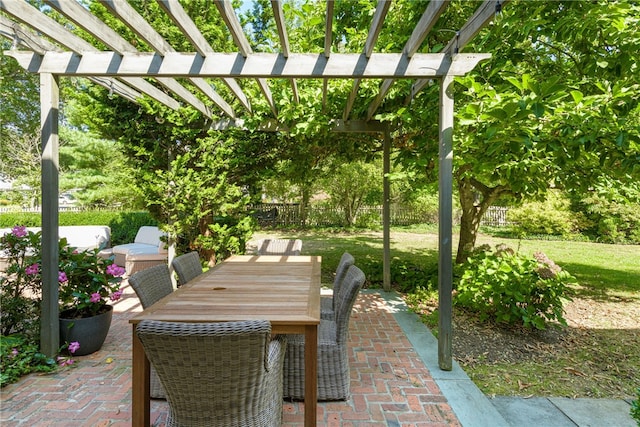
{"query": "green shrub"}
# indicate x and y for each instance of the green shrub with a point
(124, 225)
(228, 237)
(511, 288)
(369, 220)
(19, 356)
(406, 276)
(20, 287)
(551, 216)
(28, 219)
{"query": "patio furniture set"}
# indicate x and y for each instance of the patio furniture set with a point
(230, 344)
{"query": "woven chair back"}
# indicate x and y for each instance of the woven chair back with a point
(187, 267)
(346, 298)
(151, 284)
(346, 261)
(279, 247)
(217, 374)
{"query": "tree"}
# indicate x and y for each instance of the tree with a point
(19, 122)
(353, 184)
(556, 104)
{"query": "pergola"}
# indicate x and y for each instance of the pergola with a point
(42, 45)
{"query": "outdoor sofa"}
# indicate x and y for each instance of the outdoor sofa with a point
(149, 248)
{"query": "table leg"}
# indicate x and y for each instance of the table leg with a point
(310, 375)
(140, 404)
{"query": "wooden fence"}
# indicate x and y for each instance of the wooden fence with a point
(290, 215)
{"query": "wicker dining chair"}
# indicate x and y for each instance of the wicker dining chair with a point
(217, 374)
(333, 359)
(279, 247)
(151, 285)
(187, 267)
(328, 303)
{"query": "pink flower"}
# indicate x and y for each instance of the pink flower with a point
(95, 297)
(32, 270)
(14, 352)
(62, 276)
(115, 270)
(19, 231)
(75, 345)
(64, 361)
(116, 295)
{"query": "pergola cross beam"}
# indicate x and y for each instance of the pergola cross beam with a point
(30, 16)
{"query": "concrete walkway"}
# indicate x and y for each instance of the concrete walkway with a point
(474, 409)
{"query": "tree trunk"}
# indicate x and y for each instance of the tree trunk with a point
(207, 254)
(304, 204)
(469, 222)
(475, 199)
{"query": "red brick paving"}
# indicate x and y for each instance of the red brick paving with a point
(390, 385)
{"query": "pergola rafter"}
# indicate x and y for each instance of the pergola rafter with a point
(481, 17)
(231, 20)
(376, 26)
(426, 23)
(102, 32)
(202, 46)
(130, 73)
(278, 15)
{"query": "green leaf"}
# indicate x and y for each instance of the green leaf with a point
(538, 109)
(577, 96)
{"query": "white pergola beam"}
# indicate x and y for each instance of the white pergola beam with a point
(427, 21)
(146, 32)
(233, 24)
(183, 21)
(374, 31)
(91, 24)
(47, 26)
(31, 41)
(257, 65)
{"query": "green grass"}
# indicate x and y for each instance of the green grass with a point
(603, 270)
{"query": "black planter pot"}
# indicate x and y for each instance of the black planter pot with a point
(90, 332)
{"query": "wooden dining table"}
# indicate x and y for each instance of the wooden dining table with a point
(282, 289)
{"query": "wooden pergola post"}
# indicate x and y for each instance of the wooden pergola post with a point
(445, 189)
(49, 328)
(386, 211)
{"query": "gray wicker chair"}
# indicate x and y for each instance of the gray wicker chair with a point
(333, 360)
(187, 267)
(279, 247)
(151, 285)
(328, 304)
(217, 374)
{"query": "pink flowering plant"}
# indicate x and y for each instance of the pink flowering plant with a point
(88, 282)
(20, 289)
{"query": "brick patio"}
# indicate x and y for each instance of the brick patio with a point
(390, 385)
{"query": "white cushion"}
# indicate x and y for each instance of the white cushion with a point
(82, 237)
(86, 236)
(150, 236)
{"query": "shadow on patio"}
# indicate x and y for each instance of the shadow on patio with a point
(390, 384)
